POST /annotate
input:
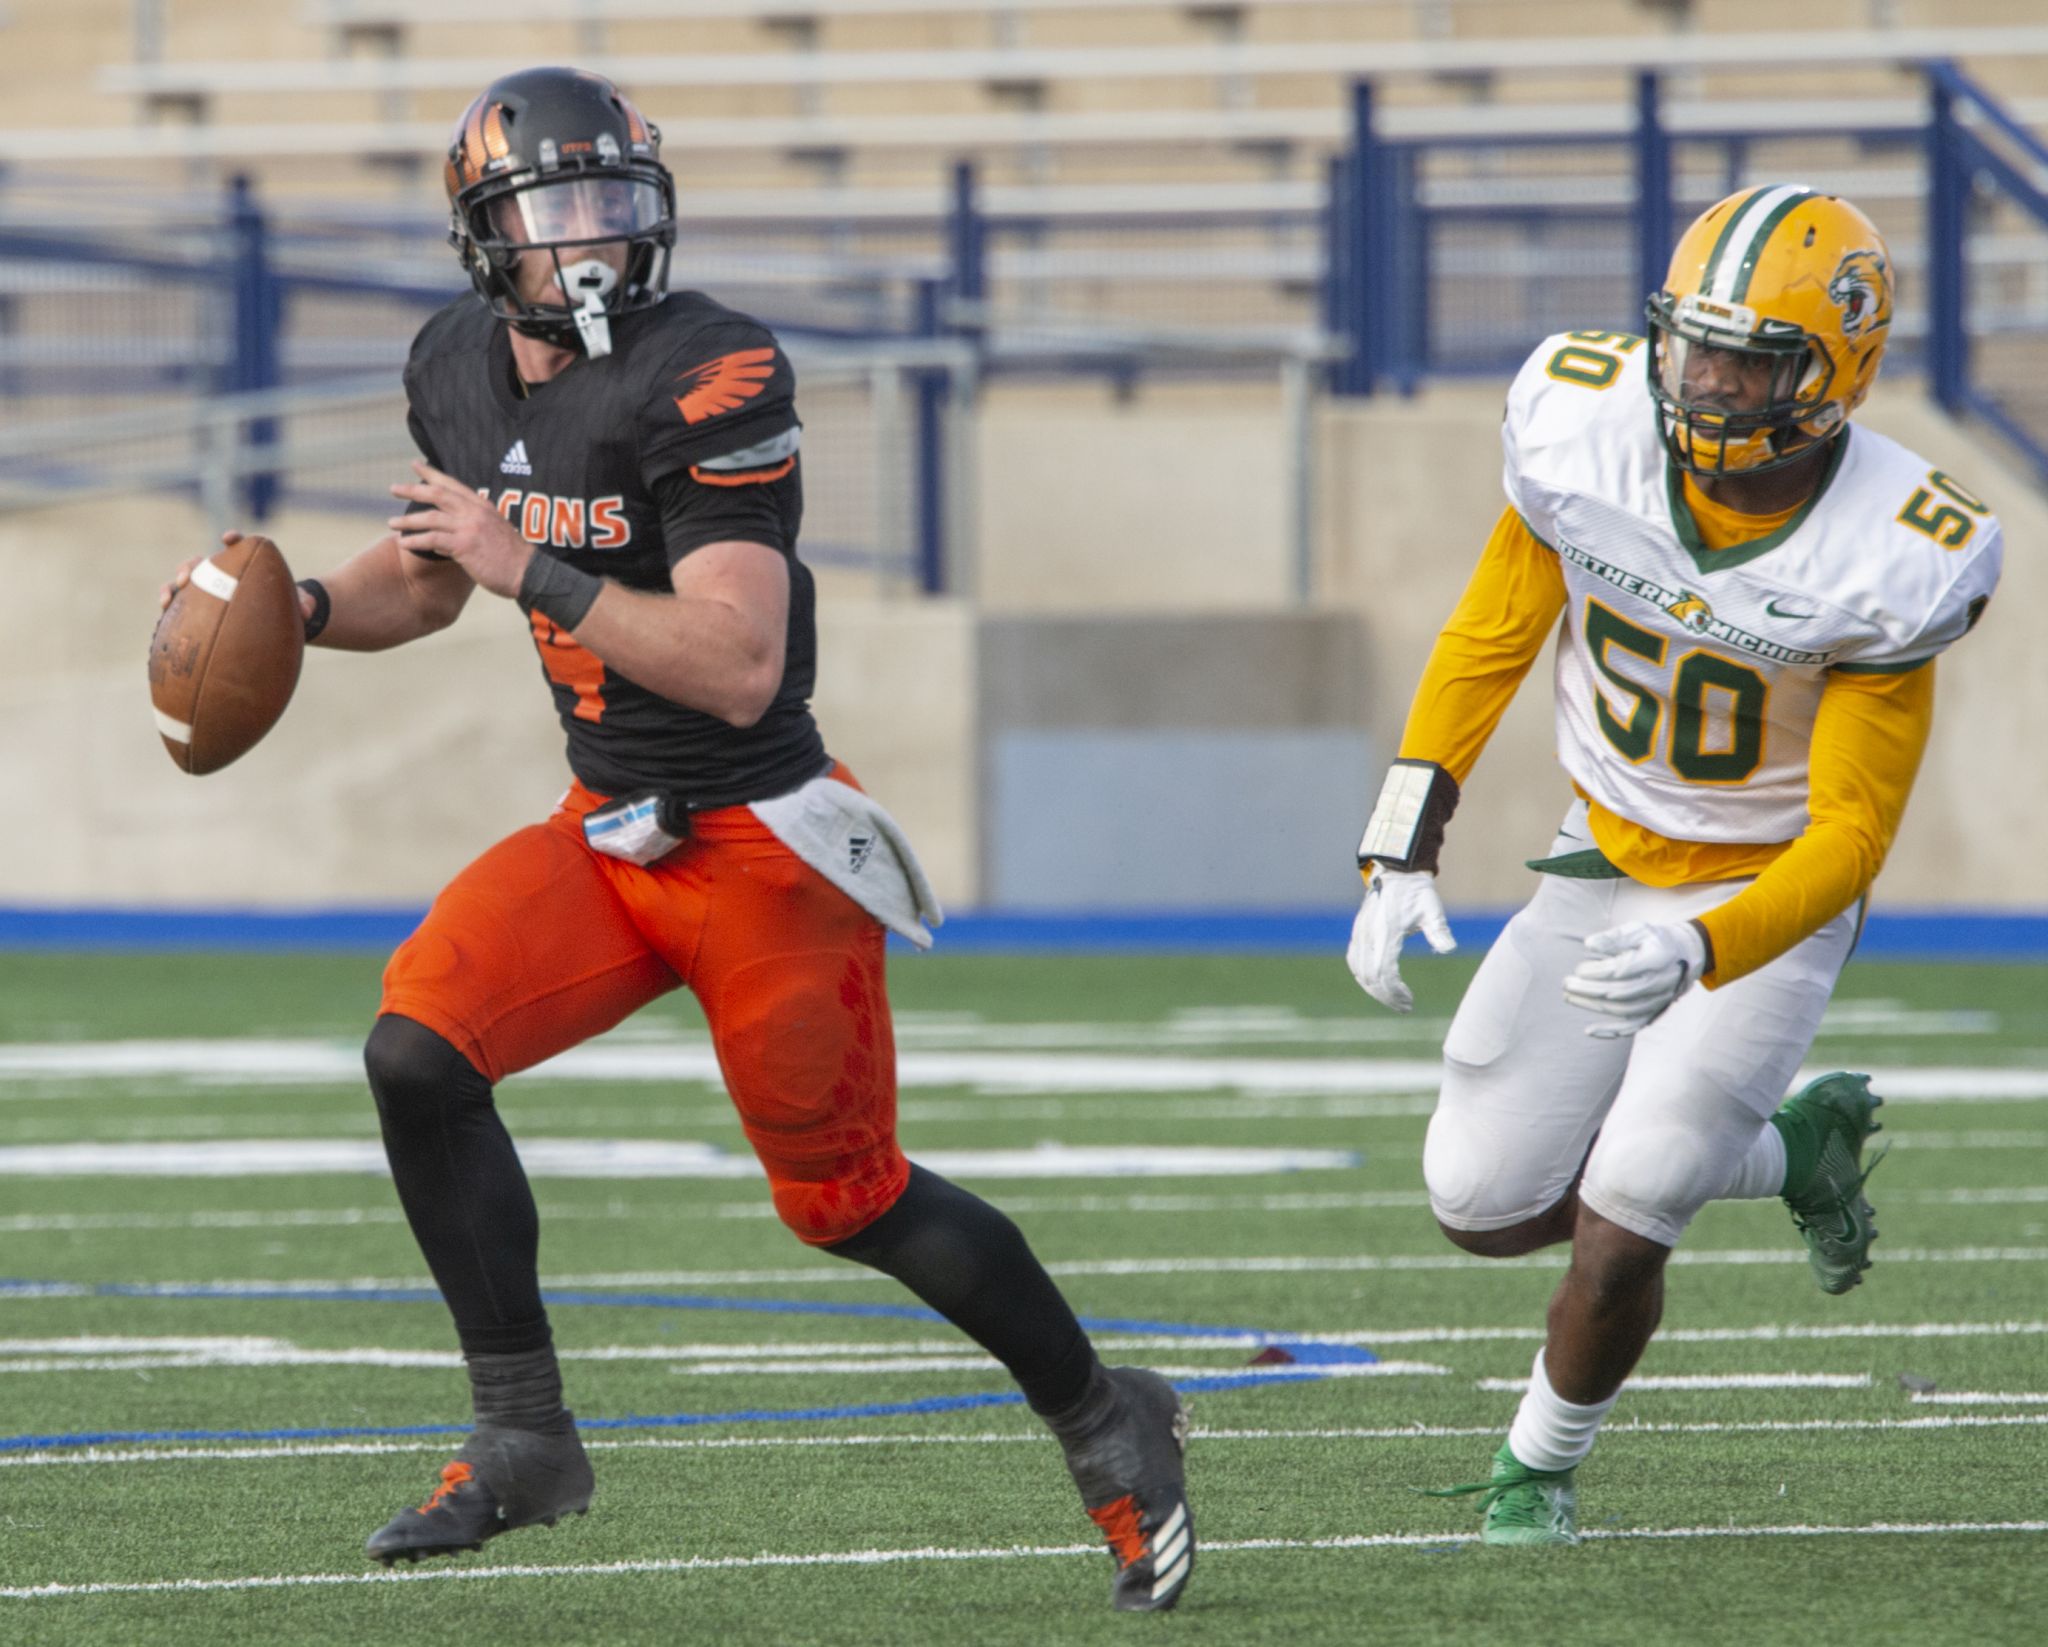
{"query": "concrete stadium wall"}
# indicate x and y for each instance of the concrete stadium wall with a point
(391, 771)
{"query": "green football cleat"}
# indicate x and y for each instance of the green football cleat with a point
(1829, 1209)
(1524, 1506)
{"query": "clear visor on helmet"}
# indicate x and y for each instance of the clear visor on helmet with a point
(577, 211)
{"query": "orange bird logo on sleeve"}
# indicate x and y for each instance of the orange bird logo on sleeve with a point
(722, 384)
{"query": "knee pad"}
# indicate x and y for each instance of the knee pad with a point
(414, 1072)
(1653, 1180)
(824, 1212)
(1476, 1182)
(1459, 1165)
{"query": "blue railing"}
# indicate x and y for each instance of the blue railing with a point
(1383, 241)
(1997, 158)
(1415, 263)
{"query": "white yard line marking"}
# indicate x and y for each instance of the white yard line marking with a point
(1770, 1334)
(1865, 1017)
(642, 1158)
(1634, 1426)
(1338, 1264)
(865, 1354)
(2017, 1195)
(595, 1441)
(795, 1357)
(1980, 1138)
(694, 1361)
(1342, 1264)
(1707, 1381)
(761, 1210)
(44, 1223)
(1981, 1398)
(225, 1062)
(1020, 1552)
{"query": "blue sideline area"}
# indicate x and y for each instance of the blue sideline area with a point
(1940, 934)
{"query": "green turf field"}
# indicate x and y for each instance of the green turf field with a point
(237, 1341)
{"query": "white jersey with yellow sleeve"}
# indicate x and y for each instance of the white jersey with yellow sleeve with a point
(1688, 678)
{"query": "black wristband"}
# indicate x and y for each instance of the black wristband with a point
(557, 591)
(323, 607)
(1406, 830)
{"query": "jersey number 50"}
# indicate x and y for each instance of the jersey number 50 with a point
(1710, 694)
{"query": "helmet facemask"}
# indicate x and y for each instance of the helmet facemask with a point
(557, 255)
(1736, 393)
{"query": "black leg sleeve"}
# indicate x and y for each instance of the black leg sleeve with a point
(461, 1184)
(971, 1264)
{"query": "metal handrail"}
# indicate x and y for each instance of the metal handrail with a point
(190, 416)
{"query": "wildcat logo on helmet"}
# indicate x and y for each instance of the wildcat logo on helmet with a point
(1691, 611)
(1858, 289)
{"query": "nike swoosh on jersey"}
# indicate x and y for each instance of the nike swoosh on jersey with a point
(1771, 606)
(725, 383)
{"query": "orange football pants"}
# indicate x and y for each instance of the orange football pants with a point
(542, 943)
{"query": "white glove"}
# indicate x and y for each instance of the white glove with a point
(1634, 973)
(1397, 902)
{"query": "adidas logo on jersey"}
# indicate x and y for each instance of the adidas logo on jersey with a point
(515, 462)
(859, 848)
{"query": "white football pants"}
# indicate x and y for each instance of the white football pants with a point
(1675, 1108)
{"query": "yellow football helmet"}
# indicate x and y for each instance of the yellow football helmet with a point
(1769, 329)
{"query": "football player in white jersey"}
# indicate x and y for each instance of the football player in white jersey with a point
(1753, 592)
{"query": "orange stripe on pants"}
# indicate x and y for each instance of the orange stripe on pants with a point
(542, 943)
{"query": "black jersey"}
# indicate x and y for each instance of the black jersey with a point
(686, 434)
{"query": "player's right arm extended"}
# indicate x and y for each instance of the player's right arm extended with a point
(1480, 657)
(388, 595)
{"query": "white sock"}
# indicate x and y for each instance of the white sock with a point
(1761, 1174)
(1549, 1432)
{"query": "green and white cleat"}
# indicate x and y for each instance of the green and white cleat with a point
(1829, 1209)
(1524, 1506)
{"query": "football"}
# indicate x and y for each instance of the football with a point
(226, 654)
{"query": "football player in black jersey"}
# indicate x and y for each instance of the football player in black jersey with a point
(623, 463)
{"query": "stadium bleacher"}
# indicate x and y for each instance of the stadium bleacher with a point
(350, 97)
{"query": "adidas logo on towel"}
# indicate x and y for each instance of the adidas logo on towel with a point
(515, 462)
(859, 848)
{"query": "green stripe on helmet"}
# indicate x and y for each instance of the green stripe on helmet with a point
(1727, 229)
(1761, 239)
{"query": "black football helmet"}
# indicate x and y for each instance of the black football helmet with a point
(557, 163)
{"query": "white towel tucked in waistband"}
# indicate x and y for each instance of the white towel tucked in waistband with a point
(853, 842)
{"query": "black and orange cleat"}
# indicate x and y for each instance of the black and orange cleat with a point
(498, 1481)
(1125, 1449)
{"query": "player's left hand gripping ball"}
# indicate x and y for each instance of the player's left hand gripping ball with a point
(1634, 972)
(1397, 902)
